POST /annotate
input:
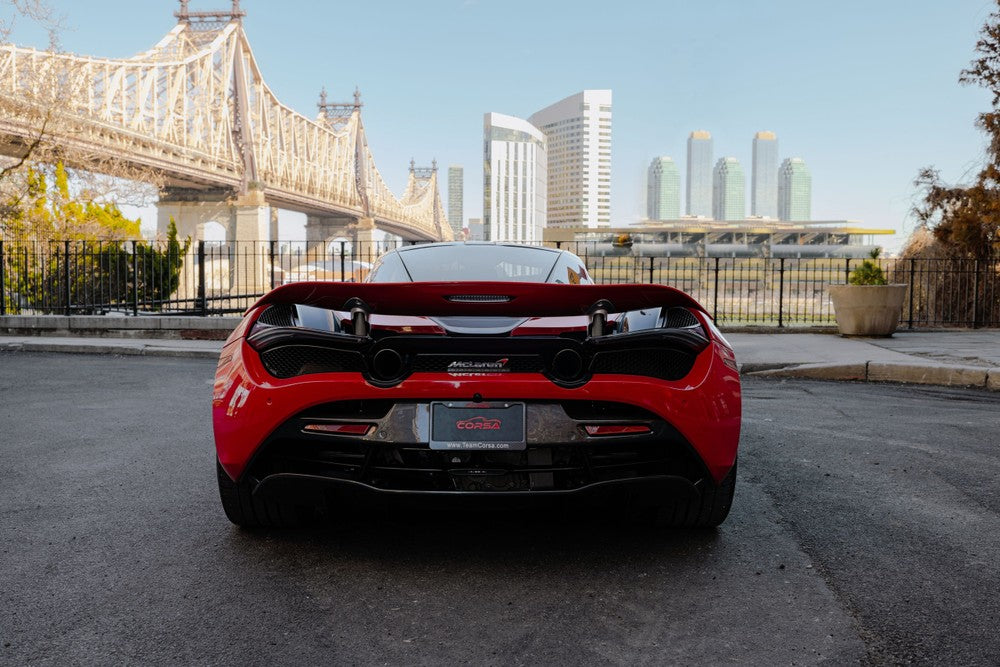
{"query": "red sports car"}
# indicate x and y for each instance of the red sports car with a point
(470, 371)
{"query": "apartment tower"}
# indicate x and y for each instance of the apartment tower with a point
(578, 140)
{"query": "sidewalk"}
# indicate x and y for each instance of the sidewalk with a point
(943, 358)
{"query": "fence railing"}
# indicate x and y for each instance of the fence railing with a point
(210, 278)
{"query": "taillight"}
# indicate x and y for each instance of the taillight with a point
(616, 429)
(340, 429)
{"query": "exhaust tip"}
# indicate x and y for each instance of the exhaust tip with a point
(567, 365)
(387, 364)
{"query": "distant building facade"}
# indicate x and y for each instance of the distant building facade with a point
(578, 140)
(663, 190)
(476, 229)
(764, 179)
(794, 190)
(456, 184)
(728, 190)
(514, 179)
(699, 174)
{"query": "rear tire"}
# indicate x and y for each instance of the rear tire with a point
(708, 510)
(249, 510)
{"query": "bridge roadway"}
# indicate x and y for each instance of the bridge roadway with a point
(864, 528)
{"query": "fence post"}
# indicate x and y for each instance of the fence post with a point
(975, 294)
(135, 279)
(847, 270)
(202, 301)
(912, 272)
(343, 249)
(3, 282)
(715, 297)
(271, 259)
(68, 295)
(781, 292)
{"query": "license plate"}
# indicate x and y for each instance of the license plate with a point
(477, 426)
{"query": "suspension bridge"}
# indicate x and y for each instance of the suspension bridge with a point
(195, 112)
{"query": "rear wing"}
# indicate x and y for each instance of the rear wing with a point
(478, 298)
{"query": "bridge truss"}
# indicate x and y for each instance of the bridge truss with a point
(195, 110)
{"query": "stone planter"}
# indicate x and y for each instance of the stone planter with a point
(867, 310)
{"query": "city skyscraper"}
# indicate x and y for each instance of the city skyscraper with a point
(764, 180)
(728, 190)
(456, 184)
(699, 174)
(663, 190)
(794, 190)
(514, 179)
(578, 134)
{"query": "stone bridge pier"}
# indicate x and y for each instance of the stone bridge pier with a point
(360, 232)
(250, 223)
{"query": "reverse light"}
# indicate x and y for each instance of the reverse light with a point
(340, 429)
(616, 429)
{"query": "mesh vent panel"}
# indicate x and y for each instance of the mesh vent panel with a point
(678, 318)
(278, 316)
(292, 360)
(663, 364)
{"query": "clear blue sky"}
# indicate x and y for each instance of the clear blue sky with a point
(865, 91)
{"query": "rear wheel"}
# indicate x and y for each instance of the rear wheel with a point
(249, 510)
(708, 510)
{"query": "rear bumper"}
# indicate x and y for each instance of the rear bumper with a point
(250, 405)
(639, 492)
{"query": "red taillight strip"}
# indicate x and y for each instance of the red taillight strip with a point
(340, 429)
(616, 429)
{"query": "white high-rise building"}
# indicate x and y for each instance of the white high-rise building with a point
(764, 180)
(699, 174)
(456, 186)
(578, 133)
(514, 179)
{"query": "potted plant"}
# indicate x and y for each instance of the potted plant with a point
(868, 305)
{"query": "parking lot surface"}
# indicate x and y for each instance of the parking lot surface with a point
(865, 529)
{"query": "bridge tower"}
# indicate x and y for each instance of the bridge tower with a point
(339, 116)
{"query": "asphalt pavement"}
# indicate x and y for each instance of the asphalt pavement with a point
(864, 530)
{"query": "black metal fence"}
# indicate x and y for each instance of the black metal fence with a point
(209, 278)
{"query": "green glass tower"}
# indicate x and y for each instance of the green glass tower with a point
(794, 190)
(728, 190)
(663, 190)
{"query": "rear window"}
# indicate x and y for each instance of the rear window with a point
(473, 262)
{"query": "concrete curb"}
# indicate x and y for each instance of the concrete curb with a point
(940, 375)
(106, 347)
(168, 327)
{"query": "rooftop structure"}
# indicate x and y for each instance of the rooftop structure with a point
(750, 237)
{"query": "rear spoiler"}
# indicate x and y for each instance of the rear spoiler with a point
(518, 299)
